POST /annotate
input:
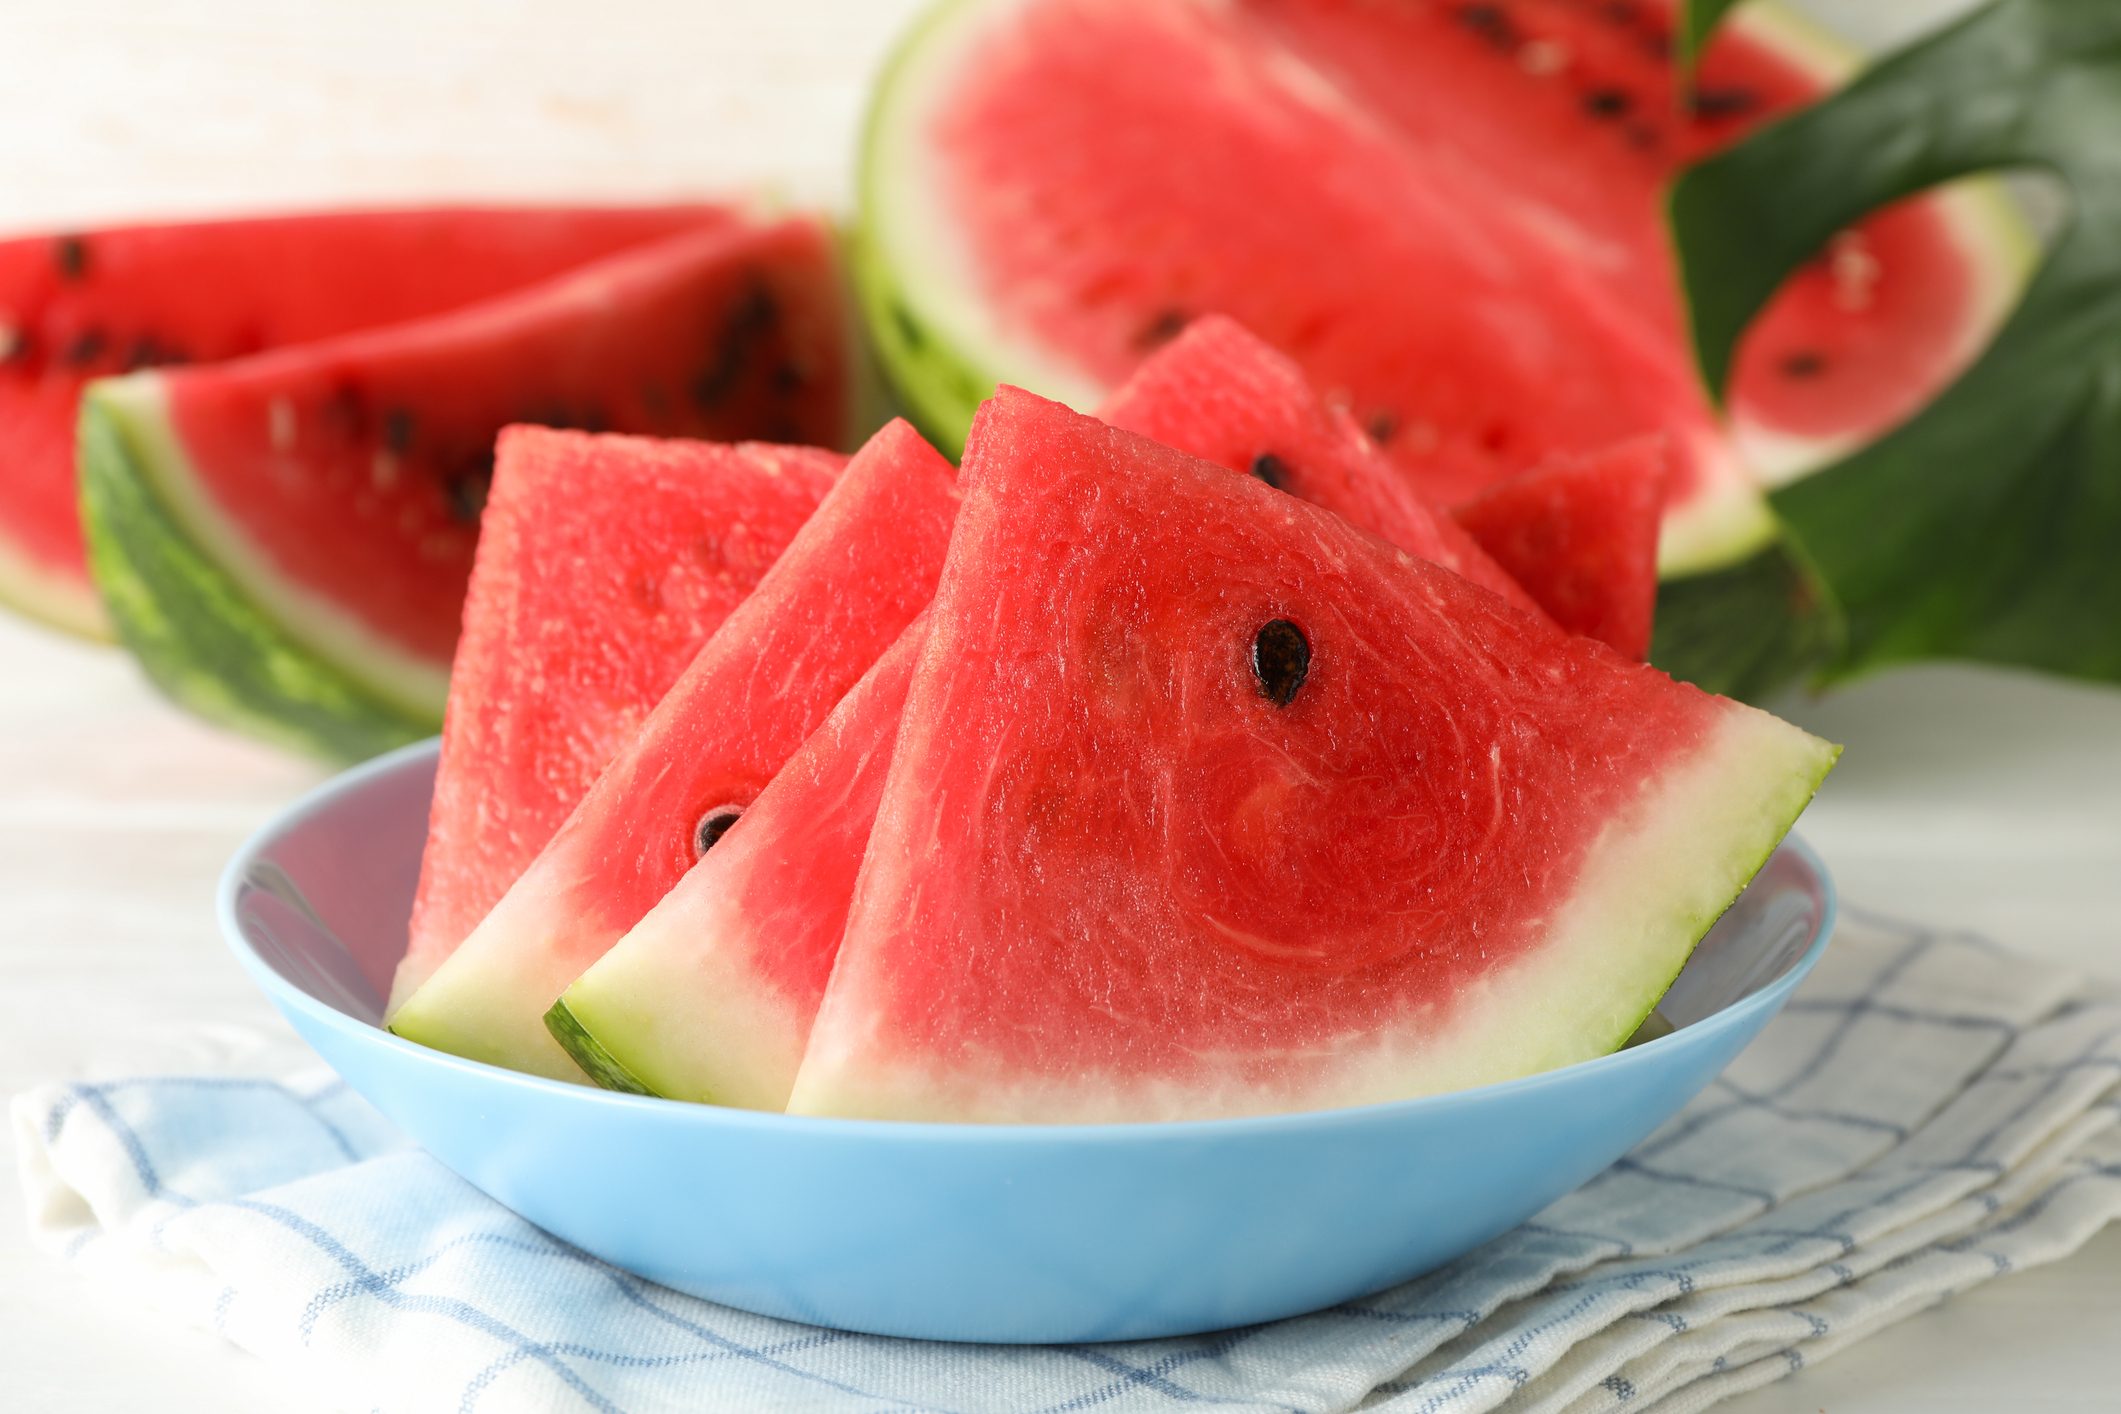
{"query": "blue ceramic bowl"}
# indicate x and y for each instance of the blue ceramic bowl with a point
(969, 1232)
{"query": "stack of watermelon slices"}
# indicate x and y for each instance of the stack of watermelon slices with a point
(1106, 779)
(286, 425)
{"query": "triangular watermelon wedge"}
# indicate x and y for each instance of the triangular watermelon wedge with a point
(654, 542)
(1205, 803)
(1228, 397)
(1580, 534)
(851, 581)
(711, 996)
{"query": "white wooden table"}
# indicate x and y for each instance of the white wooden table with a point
(1980, 798)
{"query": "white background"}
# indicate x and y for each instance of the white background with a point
(1977, 798)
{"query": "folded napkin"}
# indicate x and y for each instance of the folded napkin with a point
(1930, 1112)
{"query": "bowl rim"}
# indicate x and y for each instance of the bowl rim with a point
(1763, 1001)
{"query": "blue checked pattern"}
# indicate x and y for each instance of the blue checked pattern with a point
(1929, 1113)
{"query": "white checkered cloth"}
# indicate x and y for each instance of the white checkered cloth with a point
(1929, 1113)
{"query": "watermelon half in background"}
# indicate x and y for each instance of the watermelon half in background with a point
(86, 305)
(284, 540)
(1448, 213)
(653, 541)
(855, 576)
(1205, 803)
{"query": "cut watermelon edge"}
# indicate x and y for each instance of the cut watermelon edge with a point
(57, 601)
(937, 346)
(137, 404)
(1613, 963)
(197, 635)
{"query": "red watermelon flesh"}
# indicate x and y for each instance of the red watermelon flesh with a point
(87, 305)
(1205, 803)
(1580, 534)
(604, 563)
(1446, 213)
(1226, 397)
(854, 577)
(711, 995)
(340, 482)
(1854, 345)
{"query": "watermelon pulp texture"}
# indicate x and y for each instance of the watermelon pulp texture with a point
(1580, 534)
(604, 562)
(711, 995)
(1205, 803)
(1226, 397)
(87, 305)
(332, 490)
(1447, 213)
(851, 581)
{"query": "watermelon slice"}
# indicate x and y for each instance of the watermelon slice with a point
(1204, 803)
(1447, 213)
(652, 541)
(1225, 396)
(285, 539)
(711, 995)
(855, 576)
(1580, 534)
(87, 305)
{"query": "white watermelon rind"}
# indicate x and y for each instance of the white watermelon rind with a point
(56, 601)
(943, 354)
(199, 636)
(1646, 894)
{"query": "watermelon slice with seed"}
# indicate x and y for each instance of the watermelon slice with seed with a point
(1580, 534)
(90, 304)
(653, 540)
(711, 995)
(1448, 214)
(1225, 396)
(1206, 803)
(285, 540)
(851, 581)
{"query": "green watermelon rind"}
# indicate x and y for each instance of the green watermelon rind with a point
(199, 637)
(584, 1049)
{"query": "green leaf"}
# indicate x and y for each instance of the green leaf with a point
(1988, 526)
(1697, 18)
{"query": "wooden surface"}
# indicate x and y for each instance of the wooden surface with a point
(1977, 798)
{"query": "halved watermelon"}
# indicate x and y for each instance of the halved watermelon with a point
(711, 995)
(1226, 397)
(1580, 534)
(654, 541)
(285, 539)
(89, 304)
(855, 576)
(1205, 803)
(1446, 212)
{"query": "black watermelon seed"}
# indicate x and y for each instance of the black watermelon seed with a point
(1272, 470)
(17, 345)
(88, 346)
(1619, 12)
(713, 825)
(1281, 660)
(1607, 103)
(1722, 102)
(1805, 363)
(465, 490)
(1490, 22)
(755, 316)
(1382, 424)
(1163, 326)
(788, 377)
(397, 431)
(70, 254)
